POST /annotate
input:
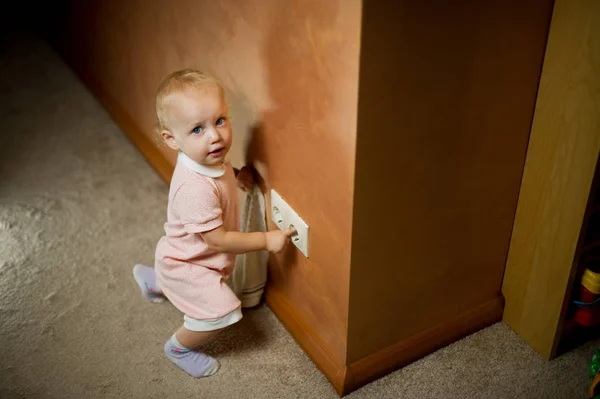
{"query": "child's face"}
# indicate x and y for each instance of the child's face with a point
(199, 124)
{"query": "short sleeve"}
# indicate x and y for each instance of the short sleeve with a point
(199, 207)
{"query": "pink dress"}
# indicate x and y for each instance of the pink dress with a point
(190, 274)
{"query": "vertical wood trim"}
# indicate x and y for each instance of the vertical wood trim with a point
(559, 169)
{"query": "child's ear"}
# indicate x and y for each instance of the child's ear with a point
(169, 139)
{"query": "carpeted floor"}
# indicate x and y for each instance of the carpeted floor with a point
(79, 206)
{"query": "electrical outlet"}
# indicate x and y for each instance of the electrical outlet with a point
(284, 216)
(277, 217)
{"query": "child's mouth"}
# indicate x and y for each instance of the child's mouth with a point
(216, 153)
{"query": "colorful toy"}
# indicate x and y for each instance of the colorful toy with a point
(595, 374)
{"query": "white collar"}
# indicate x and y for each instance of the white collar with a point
(210, 171)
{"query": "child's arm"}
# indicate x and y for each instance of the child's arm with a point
(234, 242)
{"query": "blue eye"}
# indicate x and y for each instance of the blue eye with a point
(220, 121)
(197, 130)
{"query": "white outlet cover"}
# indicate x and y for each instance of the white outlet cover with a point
(289, 217)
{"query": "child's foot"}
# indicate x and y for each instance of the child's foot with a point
(146, 279)
(196, 364)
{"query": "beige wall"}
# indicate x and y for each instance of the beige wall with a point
(291, 66)
(447, 91)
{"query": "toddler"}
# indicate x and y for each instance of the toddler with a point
(197, 254)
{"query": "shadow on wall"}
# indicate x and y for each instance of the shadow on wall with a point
(304, 147)
(294, 131)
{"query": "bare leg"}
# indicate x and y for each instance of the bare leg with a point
(193, 339)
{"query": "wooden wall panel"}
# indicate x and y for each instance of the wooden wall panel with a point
(291, 72)
(561, 160)
(446, 98)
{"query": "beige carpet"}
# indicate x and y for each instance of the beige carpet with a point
(79, 206)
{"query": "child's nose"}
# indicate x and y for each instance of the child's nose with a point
(214, 135)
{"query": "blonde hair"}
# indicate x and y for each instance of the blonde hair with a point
(178, 81)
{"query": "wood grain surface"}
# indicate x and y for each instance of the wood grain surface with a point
(561, 159)
(446, 98)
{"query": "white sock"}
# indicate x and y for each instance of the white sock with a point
(195, 363)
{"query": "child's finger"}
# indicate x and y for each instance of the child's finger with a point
(290, 231)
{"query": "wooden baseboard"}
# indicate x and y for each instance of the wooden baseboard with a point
(407, 351)
(307, 339)
(347, 378)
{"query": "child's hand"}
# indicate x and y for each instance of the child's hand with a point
(277, 239)
(245, 178)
